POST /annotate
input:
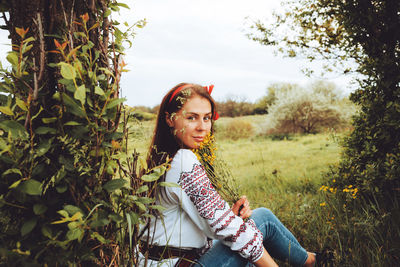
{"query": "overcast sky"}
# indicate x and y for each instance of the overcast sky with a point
(200, 42)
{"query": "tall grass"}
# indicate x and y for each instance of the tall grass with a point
(286, 176)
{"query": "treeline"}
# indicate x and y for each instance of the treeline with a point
(290, 108)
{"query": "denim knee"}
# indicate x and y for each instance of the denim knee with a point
(262, 214)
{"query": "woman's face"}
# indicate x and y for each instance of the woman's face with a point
(192, 122)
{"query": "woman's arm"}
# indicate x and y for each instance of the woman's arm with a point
(265, 261)
(242, 208)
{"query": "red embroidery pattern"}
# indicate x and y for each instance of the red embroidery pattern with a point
(220, 218)
(222, 227)
(243, 237)
(254, 251)
(198, 187)
(233, 238)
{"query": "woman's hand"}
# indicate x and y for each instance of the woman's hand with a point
(245, 211)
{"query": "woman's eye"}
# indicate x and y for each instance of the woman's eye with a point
(207, 118)
(191, 118)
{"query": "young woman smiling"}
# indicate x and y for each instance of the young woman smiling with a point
(197, 227)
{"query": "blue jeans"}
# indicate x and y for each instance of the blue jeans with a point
(278, 241)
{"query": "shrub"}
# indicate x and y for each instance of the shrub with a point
(68, 197)
(305, 110)
(236, 129)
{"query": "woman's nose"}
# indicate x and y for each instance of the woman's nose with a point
(201, 125)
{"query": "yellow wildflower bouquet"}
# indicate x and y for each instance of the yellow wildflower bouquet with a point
(217, 170)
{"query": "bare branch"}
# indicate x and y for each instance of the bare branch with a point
(38, 22)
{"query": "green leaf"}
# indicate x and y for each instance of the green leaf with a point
(3, 144)
(28, 226)
(29, 39)
(142, 189)
(98, 91)
(99, 237)
(72, 106)
(45, 130)
(155, 175)
(157, 207)
(49, 120)
(80, 94)
(73, 225)
(63, 213)
(150, 177)
(39, 209)
(71, 123)
(114, 184)
(31, 187)
(46, 231)
(6, 110)
(67, 71)
(107, 13)
(141, 206)
(111, 165)
(12, 57)
(146, 200)
(115, 102)
(14, 128)
(71, 209)
(168, 184)
(134, 218)
(61, 188)
(21, 104)
(15, 184)
(75, 233)
(116, 218)
(44, 147)
(13, 170)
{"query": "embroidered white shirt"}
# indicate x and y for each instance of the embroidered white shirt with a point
(195, 211)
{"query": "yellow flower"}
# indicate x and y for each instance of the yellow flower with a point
(323, 204)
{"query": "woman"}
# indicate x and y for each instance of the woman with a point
(197, 227)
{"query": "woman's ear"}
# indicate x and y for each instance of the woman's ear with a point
(168, 119)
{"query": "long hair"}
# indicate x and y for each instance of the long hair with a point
(164, 144)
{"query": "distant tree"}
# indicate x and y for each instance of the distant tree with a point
(364, 33)
(262, 104)
(303, 110)
(234, 106)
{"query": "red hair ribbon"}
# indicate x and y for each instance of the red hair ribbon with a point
(208, 89)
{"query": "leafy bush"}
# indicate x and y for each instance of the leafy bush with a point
(305, 110)
(364, 33)
(67, 194)
(235, 129)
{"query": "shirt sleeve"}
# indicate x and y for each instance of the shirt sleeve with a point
(217, 217)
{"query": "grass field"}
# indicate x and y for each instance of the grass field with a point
(282, 174)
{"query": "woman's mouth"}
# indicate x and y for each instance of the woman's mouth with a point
(198, 139)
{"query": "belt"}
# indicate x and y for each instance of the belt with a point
(187, 256)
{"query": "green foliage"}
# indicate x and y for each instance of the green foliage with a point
(365, 33)
(66, 195)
